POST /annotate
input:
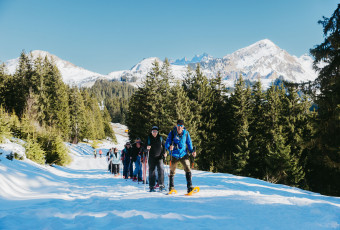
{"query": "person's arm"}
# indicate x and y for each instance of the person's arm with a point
(163, 153)
(190, 147)
(168, 141)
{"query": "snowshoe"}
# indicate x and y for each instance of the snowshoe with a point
(172, 191)
(192, 190)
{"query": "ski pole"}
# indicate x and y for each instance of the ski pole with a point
(193, 159)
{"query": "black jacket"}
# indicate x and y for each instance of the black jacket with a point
(157, 146)
(126, 154)
(137, 151)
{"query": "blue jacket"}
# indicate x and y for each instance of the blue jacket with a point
(180, 143)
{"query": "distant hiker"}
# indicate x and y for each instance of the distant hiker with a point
(100, 153)
(177, 142)
(95, 154)
(115, 161)
(108, 154)
(109, 157)
(156, 148)
(127, 162)
(137, 154)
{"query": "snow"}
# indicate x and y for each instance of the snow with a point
(84, 195)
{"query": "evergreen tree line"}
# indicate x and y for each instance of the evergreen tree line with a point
(115, 96)
(251, 132)
(38, 107)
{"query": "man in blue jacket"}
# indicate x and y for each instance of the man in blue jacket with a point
(178, 143)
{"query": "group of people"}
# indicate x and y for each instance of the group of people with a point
(152, 153)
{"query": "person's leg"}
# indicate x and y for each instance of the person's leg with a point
(160, 169)
(135, 172)
(173, 166)
(186, 165)
(152, 174)
(131, 168)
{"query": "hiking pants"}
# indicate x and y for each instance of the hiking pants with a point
(115, 168)
(126, 168)
(153, 164)
(184, 162)
(138, 168)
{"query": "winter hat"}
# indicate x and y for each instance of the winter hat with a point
(128, 143)
(154, 128)
(138, 140)
(180, 122)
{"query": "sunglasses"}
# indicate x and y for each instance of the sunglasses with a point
(154, 131)
(180, 125)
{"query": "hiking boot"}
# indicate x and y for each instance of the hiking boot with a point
(152, 190)
(190, 189)
(161, 188)
(171, 188)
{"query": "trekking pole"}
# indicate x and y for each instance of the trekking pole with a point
(193, 159)
(147, 167)
(144, 171)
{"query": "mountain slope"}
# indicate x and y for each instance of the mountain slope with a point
(85, 196)
(71, 74)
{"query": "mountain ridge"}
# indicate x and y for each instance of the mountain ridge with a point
(261, 60)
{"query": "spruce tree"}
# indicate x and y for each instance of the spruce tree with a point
(34, 151)
(257, 132)
(240, 108)
(77, 115)
(324, 157)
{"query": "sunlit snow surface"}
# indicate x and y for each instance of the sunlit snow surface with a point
(85, 196)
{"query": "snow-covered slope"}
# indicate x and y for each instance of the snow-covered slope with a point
(262, 60)
(85, 196)
(71, 74)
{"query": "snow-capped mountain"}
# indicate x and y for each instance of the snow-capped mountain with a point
(71, 74)
(262, 60)
(197, 58)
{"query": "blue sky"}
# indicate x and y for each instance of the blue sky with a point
(105, 36)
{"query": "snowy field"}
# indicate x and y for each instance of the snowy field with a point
(85, 196)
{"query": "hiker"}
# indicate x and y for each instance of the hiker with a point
(115, 161)
(95, 154)
(109, 157)
(100, 153)
(177, 142)
(128, 167)
(137, 154)
(156, 148)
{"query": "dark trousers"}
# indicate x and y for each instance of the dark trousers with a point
(128, 169)
(115, 168)
(153, 163)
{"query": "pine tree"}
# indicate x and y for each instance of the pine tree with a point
(240, 108)
(143, 105)
(277, 152)
(257, 132)
(5, 131)
(324, 158)
(34, 151)
(77, 115)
